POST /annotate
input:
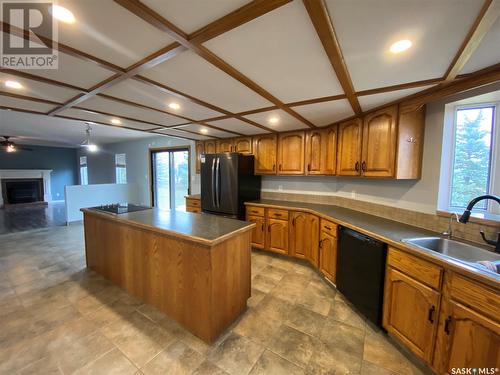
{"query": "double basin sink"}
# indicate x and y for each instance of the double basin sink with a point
(471, 255)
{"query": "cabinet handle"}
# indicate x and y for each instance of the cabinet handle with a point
(356, 166)
(269, 228)
(280, 167)
(274, 167)
(327, 227)
(321, 243)
(363, 166)
(431, 314)
(308, 167)
(447, 323)
(262, 228)
(277, 214)
(293, 221)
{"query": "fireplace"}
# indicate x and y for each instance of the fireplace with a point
(22, 190)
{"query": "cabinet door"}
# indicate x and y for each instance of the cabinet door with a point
(291, 148)
(200, 149)
(411, 312)
(467, 339)
(264, 149)
(349, 148)
(312, 230)
(379, 143)
(258, 231)
(299, 236)
(225, 145)
(243, 145)
(328, 255)
(330, 151)
(277, 235)
(210, 147)
(314, 152)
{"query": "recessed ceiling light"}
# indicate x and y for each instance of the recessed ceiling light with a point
(204, 131)
(92, 148)
(274, 120)
(116, 121)
(400, 46)
(174, 106)
(13, 85)
(62, 14)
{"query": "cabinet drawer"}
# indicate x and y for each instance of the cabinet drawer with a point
(479, 297)
(193, 202)
(277, 214)
(255, 210)
(421, 270)
(329, 227)
(193, 209)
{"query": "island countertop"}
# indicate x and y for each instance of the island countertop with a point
(201, 228)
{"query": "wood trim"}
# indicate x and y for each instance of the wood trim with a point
(188, 131)
(30, 98)
(41, 79)
(103, 123)
(21, 110)
(487, 16)
(402, 86)
(318, 13)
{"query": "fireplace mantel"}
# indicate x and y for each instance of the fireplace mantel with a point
(28, 173)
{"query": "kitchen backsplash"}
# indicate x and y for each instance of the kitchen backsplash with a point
(436, 223)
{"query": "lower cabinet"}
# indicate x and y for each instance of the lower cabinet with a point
(327, 252)
(277, 235)
(258, 233)
(193, 205)
(304, 233)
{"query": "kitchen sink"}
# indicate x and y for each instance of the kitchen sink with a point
(472, 255)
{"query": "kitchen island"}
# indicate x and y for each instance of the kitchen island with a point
(194, 268)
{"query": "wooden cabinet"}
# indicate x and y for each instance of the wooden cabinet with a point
(210, 147)
(291, 149)
(199, 149)
(224, 145)
(379, 143)
(411, 126)
(243, 145)
(277, 235)
(264, 149)
(304, 236)
(411, 312)
(349, 148)
(193, 205)
(258, 233)
(321, 151)
(328, 250)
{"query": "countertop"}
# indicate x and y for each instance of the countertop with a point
(202, 228)
(385, 230)
(193, 196)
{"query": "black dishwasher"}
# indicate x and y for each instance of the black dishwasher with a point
(360, 272)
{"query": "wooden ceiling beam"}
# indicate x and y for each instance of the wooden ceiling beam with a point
(41, 79)
(402, 86)
(156, 131)
(489, 13)
(318, 13)
(30, 98)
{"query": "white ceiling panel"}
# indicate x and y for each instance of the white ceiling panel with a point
(6, 101)
(488, 52)
(210, 132)
(366, 30)
(179, 133)
(371, 101)
(96, 117)
(193, 75)
(151, 96)
(285, 121)
(191, 15)
(237, 126)
(37, 89)
(281, 52)
(321, 114)
(119, 109)
(106, 30)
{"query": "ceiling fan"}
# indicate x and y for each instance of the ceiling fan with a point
(9, 146)
(87, 142)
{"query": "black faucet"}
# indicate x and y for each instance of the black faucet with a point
(466, 215)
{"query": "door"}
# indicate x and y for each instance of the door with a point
(330, 151)
(170, 178)
(210, 147)
(291, 148)
(349, 148)
(321, 151)
(299, 236)
(264, 149)
(225, 145)
(410, 312)
(468, 339)
(277, 235)
(258, 233)
(243, 145)
(312, 230)
(379, 143)
(200, 149)
(327, 255)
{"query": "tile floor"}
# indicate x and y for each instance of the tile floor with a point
(58, 318)
(17, 219)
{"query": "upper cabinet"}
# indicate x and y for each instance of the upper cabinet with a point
(200, 149)
(264, 149)
(243, 145)
(291, 148)
(321, 151)
(349, 148)
(210, 147)
(224, 145)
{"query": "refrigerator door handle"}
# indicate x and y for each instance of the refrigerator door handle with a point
(217, 182)
(213, 182)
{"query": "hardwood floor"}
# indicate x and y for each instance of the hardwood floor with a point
(32, 217)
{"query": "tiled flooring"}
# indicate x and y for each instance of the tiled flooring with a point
(17, 219)
(58, 318)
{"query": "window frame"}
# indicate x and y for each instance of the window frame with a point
(84, 168)
(119, 166)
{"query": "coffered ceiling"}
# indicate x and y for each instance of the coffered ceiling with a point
(202, 69)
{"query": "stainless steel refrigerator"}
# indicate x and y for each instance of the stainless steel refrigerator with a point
(227, 182)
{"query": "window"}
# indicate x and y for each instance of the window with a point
(473, 154)
(121, 169)
(84, 178)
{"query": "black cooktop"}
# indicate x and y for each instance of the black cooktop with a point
(120, 208)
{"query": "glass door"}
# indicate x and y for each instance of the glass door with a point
(170, 178)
